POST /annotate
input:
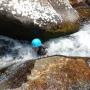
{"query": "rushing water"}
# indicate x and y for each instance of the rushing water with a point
(77, 44)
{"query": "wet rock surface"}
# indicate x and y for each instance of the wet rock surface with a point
(55, 73)
(29, 19)
(51, 73)
(83, 8)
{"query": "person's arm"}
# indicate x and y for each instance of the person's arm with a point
(43, 46)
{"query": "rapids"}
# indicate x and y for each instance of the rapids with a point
(77, 44)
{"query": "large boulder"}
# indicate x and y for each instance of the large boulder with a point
(88, 2)
(60, 73)
(50, 73)
(37, 18)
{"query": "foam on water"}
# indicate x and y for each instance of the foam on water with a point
(13, 52)
(77, 44)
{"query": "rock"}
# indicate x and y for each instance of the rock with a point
(58, 72)
(73, 2)
(38, 18)
(50, 73)
(84, 13)
(15, 76)
(88, 2)
(83, 8)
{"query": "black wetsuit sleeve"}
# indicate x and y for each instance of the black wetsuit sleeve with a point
(41, 51)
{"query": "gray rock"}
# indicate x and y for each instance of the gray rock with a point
(33, 18)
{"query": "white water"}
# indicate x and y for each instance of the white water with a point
(77, 44)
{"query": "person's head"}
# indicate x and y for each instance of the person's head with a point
(36, 42)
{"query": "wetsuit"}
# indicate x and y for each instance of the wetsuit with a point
(41, 51)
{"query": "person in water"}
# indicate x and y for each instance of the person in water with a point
(38, 47)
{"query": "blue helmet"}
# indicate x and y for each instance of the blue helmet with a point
(36, 42)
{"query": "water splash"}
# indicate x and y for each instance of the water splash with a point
(13, 51)
(76, 44)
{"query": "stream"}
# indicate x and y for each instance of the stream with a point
(77, 44)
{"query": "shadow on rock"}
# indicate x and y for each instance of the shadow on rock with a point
(14, 76)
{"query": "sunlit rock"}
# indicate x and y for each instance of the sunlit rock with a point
(73, 2)
(83, 8)
(56, 73)
(88, 2)
(40, 12)
(40, 18)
